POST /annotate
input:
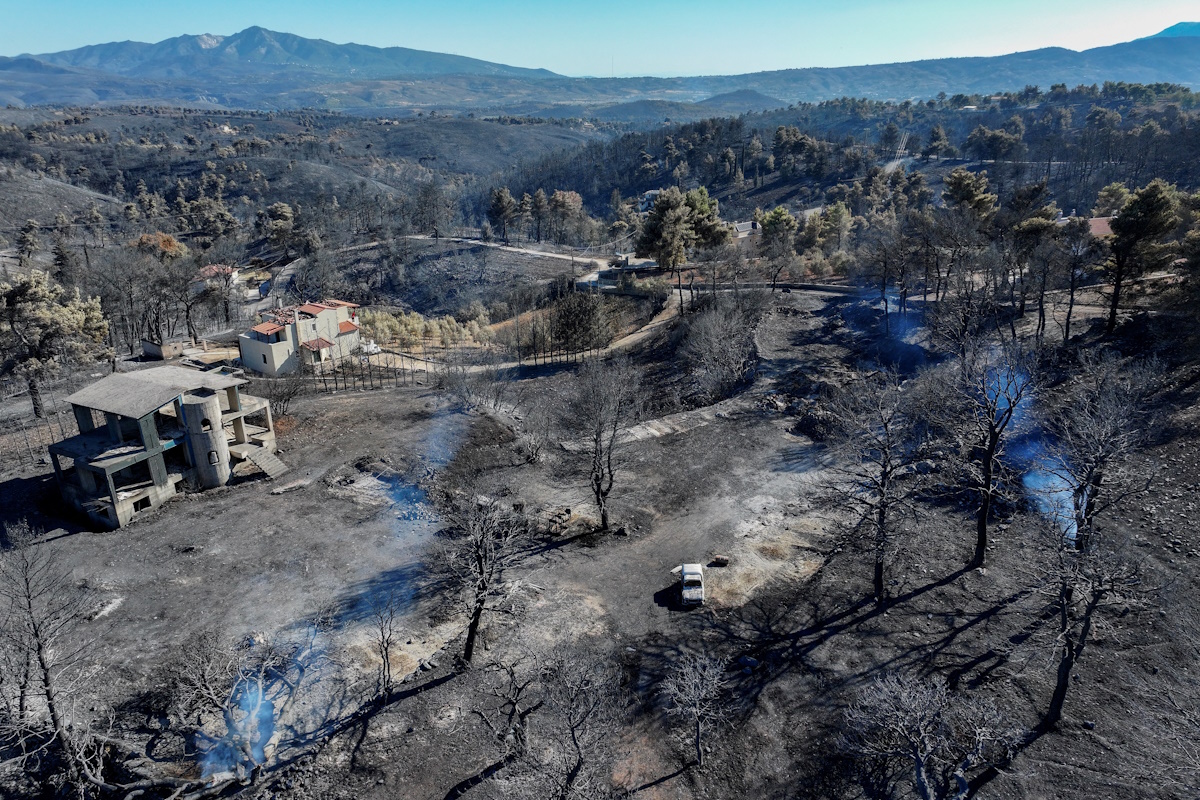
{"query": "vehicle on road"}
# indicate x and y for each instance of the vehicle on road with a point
(691, 585)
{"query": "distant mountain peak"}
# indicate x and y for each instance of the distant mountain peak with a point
(207, 41)
(256, 52)
(1181, 29)
(259, 68)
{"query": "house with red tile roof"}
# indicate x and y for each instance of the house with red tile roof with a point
(1100, 227)
(286, 339)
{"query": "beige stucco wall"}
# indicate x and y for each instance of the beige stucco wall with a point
(285, 356)
(280, 357)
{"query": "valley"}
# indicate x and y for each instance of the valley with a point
(382, 423)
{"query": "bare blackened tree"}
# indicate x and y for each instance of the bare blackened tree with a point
(241, 696)
(574, 731)
(696, 690)
(508, 695)
(46, 715)
(479, 557)
(605, 398)
(491, 385)
(988, 389)
(904, 722)
(720, 348)
(1082, 586)
(555, 719)
(582, 713)
(1095, 433)
(45, 648)
(281, 391)
(969, 307)
(385, 622)
(537, 424)
(880, 440)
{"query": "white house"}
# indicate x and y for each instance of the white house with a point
(647, 200)
(311, 333)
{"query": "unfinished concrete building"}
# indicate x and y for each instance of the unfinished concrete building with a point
(144, 436)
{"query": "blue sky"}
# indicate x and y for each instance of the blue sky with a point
(625, 37)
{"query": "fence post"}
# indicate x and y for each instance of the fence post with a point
(28, 447)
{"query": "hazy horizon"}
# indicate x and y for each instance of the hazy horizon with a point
(623, 38)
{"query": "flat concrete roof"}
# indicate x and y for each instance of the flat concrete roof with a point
(136, 394)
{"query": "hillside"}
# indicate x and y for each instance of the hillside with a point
(25, 195)
(260, 52)
(266, 70)
(1182, 29)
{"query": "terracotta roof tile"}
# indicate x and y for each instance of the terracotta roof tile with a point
(267, 328)
(320, 343)
(347, 327)
(213, 270)
(1101, 226)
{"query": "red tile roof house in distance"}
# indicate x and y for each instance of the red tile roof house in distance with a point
(1100, 227)
(311, 333)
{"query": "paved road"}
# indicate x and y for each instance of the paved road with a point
(670, 311)
(581, 261)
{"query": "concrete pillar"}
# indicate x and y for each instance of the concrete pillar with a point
(148, 432)
(114, 426)
(235, 399)
(206, 437)
(83, 418)
(179, 423)
(158, 470)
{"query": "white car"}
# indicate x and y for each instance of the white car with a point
(691, 584)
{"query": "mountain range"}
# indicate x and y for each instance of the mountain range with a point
(263, 69)
(259, 53)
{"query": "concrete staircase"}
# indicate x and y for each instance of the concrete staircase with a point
(267, 461)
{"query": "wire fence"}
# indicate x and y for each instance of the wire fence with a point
(24, 441)
(397, 369)
(25, 438)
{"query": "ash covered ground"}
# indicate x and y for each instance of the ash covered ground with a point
(362, 516)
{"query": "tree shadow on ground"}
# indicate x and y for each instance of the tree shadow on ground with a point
(36, 500)
(404, 586)
(800, 459)
(763, 636)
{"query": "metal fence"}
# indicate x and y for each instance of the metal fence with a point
(25, 437)
(24, 440)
